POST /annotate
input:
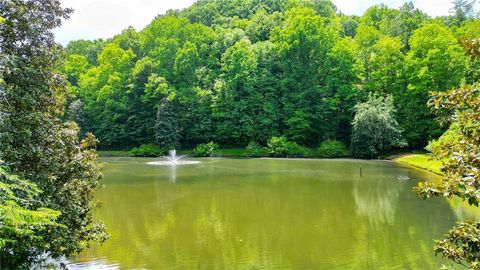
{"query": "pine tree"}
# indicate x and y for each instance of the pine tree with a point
(167, 132)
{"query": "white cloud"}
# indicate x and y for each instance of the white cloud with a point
(358, 7)
(435, 7)
(105, 18)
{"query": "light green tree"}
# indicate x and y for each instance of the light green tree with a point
(375, 129)
(436, 62)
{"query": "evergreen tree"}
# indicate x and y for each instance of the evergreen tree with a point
(167, 131)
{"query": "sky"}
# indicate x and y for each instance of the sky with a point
(94, 19)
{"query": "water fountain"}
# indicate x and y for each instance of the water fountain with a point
(172, 159)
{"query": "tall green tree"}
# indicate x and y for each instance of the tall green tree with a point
(237, 103)
(387, 64)
(167, 130)
(436, 62)
(365, 38)
(407, 21)
(104, 88)
(303, 42)
(34, 141)
(342, 82)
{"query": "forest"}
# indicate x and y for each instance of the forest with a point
(240, 72)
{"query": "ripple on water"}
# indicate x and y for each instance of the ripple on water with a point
(102, 264)
(170, 163)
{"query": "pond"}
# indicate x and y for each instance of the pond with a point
(266, 214)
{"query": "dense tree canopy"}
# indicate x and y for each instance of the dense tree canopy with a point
(242, 71)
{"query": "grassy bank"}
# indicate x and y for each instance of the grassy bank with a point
(112, 153)
(228, 152)
(421, 161)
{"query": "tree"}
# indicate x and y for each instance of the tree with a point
(21, 227)
(462, 10)
(366, 37)
(435, 62)
(375, 129)
(387, 63)
(238, 102)
(34, 141)
(382, 18)
(459, 150)
(261, 24)
(186, 63)
(76, 113)
(344, 94)
(303, 42)
(87, 48)
(103, 89)
(408, 20)
(461, 171)
(75, 66)
(167, 131)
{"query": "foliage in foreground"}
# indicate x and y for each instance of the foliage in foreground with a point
(34, 141)
(375, 129)
(461, 170)
(21, 223)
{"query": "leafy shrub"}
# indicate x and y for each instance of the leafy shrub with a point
(451, 136)
(332, 149)
(255, 150)
(206, 150)
(146, 150)
(281, 147)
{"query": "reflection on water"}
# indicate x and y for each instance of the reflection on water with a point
(266, 214)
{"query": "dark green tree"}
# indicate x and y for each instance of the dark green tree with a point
(34, 141)
(167, 130)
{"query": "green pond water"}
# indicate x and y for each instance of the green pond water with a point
(266, 214)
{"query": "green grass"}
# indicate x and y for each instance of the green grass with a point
(421, 161)
(233, 152)
(112, 153)
(226, 152)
